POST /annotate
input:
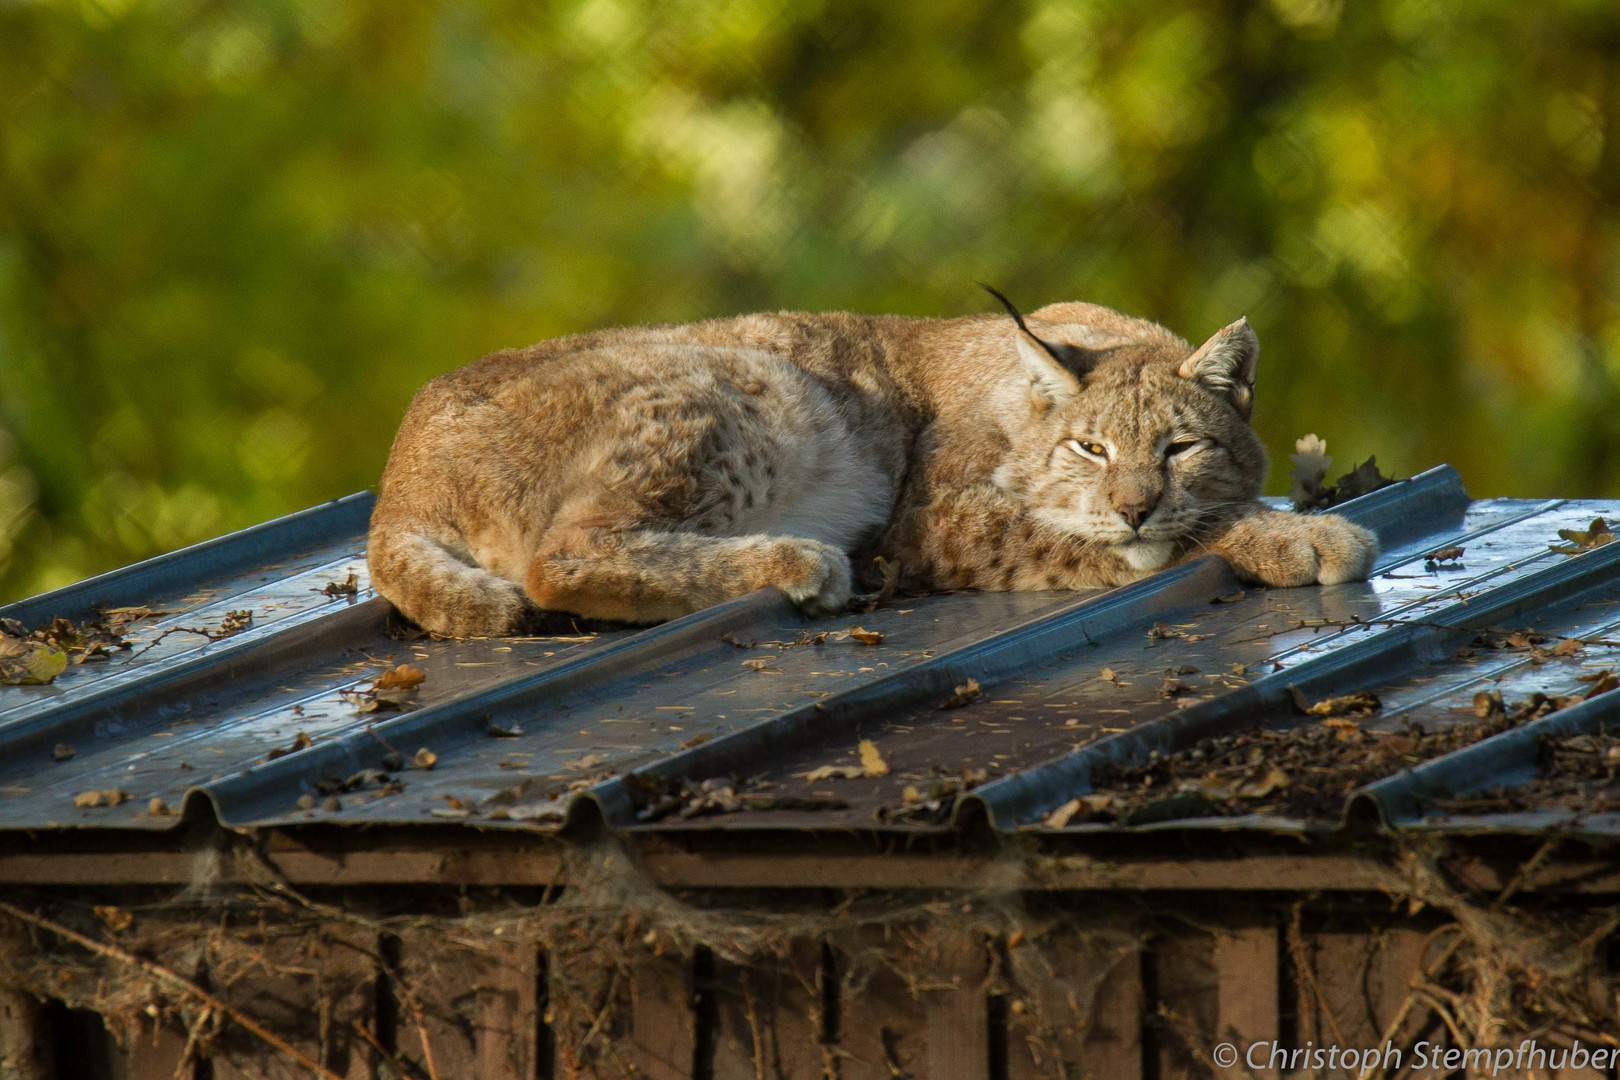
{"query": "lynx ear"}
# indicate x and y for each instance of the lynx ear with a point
(1050, 383)
(1226, 364)
(1054, 368)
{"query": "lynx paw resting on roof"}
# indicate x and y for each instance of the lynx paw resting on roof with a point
(1277, 548)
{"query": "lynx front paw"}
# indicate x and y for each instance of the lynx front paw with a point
(483, 605)
(815, 576)
(1298, 549)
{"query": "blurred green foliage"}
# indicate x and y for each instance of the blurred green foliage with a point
(235, 237)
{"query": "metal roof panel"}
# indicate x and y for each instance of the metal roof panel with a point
(722, 719)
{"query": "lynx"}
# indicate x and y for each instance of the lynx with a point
(645, 473)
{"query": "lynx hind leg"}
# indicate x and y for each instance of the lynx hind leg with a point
(649, 576)
(1275, 548)
(445, 594)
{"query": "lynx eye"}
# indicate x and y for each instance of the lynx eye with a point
(1087, 448)
(1181, 446)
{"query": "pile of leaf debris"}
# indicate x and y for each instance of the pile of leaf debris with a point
(1575, 773)
(1303, 772)
(1310, 490)
(36, 657)
(933, 803)
(1595, 535)
(684, 799)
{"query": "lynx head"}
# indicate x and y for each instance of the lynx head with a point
(1134, 440)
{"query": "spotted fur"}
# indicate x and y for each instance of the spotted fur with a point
(643, 473)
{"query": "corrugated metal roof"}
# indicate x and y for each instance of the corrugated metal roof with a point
(721, 719)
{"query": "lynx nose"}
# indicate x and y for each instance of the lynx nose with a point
(1137, 511)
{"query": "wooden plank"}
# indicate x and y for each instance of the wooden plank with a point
(1246, 965)
(589, 1009)
(380, 867)
(1113, 1043)
(1076, 1007)
(393, 866)
(386, 867)
(26, 1051)
(312, 988)
(508, 1020)
(905, 871)
(478, 1008)
(151, 1053)
(957, 1017)
(662, 1041)
(882, 1023)
(1188, 1005)
(769, 1017)
(1360, 981)
(436, 988)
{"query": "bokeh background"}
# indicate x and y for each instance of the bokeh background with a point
(235, 237)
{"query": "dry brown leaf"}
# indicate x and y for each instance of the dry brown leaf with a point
(1343, 730)
(116, 919)
(1568, 647)
(234, 622)
(756, 665)
(1593, 536)
(964, 694)
(120, 617)
(350, 587)
(157, 807)
(64, 752)
(1164, 632)
(871, 760)
(1449, 554)
(29, 663)
(1360, 701)
(104, 797)
(403, 677)
(1259, 786)
(696, 740)
(1310, 490)
(1107, 675)
(833, 772)
(864, 636)
(425, 759)
(890, 574)
(1311, 464)
(1060, 817)
(300, 742)
(1605, 681)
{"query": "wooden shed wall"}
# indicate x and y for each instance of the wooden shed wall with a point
(1005, 1007)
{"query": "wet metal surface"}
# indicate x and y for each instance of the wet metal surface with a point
(990, 707)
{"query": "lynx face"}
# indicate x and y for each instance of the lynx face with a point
(1135, 443)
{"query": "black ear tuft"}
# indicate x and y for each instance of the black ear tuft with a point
(1075, 360)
